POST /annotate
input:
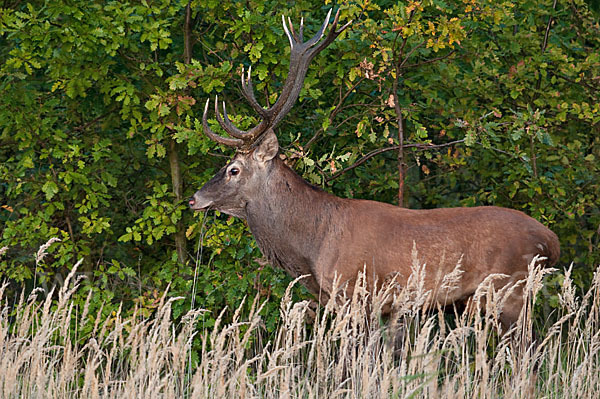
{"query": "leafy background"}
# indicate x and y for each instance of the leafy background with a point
(495, 103)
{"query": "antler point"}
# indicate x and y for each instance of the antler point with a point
(287, 32)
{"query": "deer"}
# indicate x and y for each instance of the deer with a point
(309, 232)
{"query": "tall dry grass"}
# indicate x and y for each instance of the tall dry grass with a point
(345, 353)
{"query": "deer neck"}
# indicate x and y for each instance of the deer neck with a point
(290, 220)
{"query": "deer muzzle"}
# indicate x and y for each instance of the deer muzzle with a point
(197, 203)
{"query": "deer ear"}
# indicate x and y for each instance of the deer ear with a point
(268, 147)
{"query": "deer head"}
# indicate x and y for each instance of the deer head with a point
(239, 181)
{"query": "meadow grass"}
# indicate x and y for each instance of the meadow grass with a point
(54, 349)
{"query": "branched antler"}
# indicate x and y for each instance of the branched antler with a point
(301, 54)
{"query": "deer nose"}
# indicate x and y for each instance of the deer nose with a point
(191, 201)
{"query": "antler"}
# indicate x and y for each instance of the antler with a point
(301, 54)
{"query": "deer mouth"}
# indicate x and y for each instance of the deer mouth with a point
(198, 205)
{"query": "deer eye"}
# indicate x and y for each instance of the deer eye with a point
(234, 171)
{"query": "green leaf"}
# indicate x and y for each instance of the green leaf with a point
(50, 189)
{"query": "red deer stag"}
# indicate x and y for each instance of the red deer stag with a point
(307, 231)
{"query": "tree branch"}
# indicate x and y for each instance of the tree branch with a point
(378, 151)
(547, 34)
(580, 83)
(412, 50)
(84, 126)
(187, 35)
(333, 114)
(430, 61)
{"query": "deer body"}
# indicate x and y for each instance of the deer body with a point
(306, 231)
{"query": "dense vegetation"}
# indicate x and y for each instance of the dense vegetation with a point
(430, 103)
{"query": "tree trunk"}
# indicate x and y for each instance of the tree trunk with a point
(401, 162)
(180, 241)
(174, 164)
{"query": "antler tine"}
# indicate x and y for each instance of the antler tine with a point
(291, 26)
(287, 32)
(248, 92)
(301, 55)
(237, 143)
(247, 137)
(226, 123)
(313, 40)
(333, 33)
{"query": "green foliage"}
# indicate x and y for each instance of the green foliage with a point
(99, 103)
